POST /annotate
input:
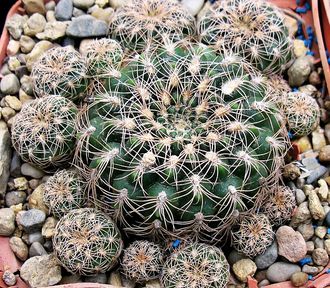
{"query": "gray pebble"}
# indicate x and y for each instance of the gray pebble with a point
(35, 237)
(268, 258)
(316, 174)
(31, 220)
(7, 222)
(29, 170)
(15, 197)
(281, 271)
(15, 165)
(99, 278)
(36, 249)
(300, 196)
(9, 278)
(87, 26)
(63, 10)
(9, 84)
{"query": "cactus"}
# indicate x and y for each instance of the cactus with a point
(142, 261)
(141, 22)
(65, 191)
(280, 205)
(196, 265)
(62, 72)
(280, 88)
(302, 113)
(86, 242)
(44, 132)
(254, 29)
(252, 235)
(185, 139)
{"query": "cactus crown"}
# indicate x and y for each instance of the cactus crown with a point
(86, 241)
(65, 191)
(141, 22)
(142, 261)
(196, 265)
(252, 28)
(44, 132)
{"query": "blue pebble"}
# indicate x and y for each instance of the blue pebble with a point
(290, 135)
(305, 261)
(308, 6)
(301, 37)
(298, 2)
(329, 60)
(327, 53)
(301, 10)
(295, 89)
(310, 53)
(176, 243)
(310, 277)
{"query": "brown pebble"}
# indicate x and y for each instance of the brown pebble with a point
(299, 279)
(291, 171)
(314, 78)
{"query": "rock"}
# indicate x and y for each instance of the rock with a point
(299, 48)
(315, 206)
(299, 71)
(268, 258)
(23, 97)
(291, 244)
(12, 47)
(9, 278)
(263, 283)
(13, 102)
(324, 154)
(34, 25)
(281, 271)
(13, 63)
(304, 144)
(9, 84)
(50, 6)
(15, 26)
(4, 69)
(26, 43)
(314, 78)
(50, 16)
(316, 174)
(21, 183)
(34, 183)
(102, 3)
(37, 51)
(320, 257)
(97, 278)
(49, 246)
(244, 268)
(203, 11)
(117, 3)
(26, 84)
(7, 221)
(87, 26)
(291, 171)
(36, 199)
(323, 191)
(153, 284)
(48, 229)
(35, 237)
(327, 246)
(321, 231)
(115, 279)
(7, 114)
(34, 6)
(19, 248)
(69, 279)
(300, 196)
(319, 243)
(310, 270)
(310, 246)
(63, 10)
(193, 6)
(235, 256)
(36, 249)
(31, 171)
(302, 215)
(31, 220)
(327, 219)
(299, 279)
(292, 25)
(41, 271)
(15, 197)
(83, 4)
(53, 31)
(318, 139)
(306, 230)
(78, 12)
(5, 156)
(103, 14)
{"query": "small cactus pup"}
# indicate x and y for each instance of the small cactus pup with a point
(252, 234)
(65, 191)
(44, 132)
(302, 113)
(183, 140)
(280, 88)
(280, 205)
(87, 241)
(141, 22)
(196, 265)
(142, 261)
(60, 71)
(254, 29)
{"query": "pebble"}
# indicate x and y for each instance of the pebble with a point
(26, 44)
(152, 284)
(281, 271)
(193, 6)
(34, 183)
(291, 244)
(63, 10)
(291, 171)
(36, 249)
(300, 196)
(117, 3)
(321, 231)
(15, 25)
(34, 25)
(235, 256)
(299, 71)
(49, 246)
(315, 206)
(98, 278)
(327, 219)
(86, 26)
(304, 144)
(318, 139)
(19, 248)
(316, 174)
(314, 78)
(13, 63)
(268, 258)
(36, 52)
(310, 246)
(12, 47)
(83, 4)
(115, 279)
(41, 271)
(5, 69)
(26, 84)
(324, 154)
(9, 278)
(9, 84)
(299, 48)
(48, 229)
(21, 183)
(102, 3)
(36, 199)
(13, 102)
(78, 12)
(320, 257)
(5, 156)
(292, 24)
(244, 268)
(23, 97)
(263, 283)
(35, 237)
(103, 14)
(311, 270)
(7, 221)
(306, 230)
(34, 6)
(302, 215)
(31, 171)
(69, 279)
(50, 6)
(50, 17)
(31, 220)
(319, 243)
(53, 31)
(14, 198)
(7, 114)
(327, 246)
(323, 190)
(299, 279)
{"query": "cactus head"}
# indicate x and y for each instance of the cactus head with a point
(252, 235)
(60, 71)
(65, 191)
(142, 22)
(196, 265)
(142, 261)
(252, 28)
(44, 132)
(86, 242)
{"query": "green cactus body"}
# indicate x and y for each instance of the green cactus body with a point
(185, 139)
(44, 132)
(253, 29)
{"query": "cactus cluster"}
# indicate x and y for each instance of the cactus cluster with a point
(65, 191)
(254, 29)
(44, 132)
(86, 241)
(184, 138)
(196, 265)
(142, 261)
